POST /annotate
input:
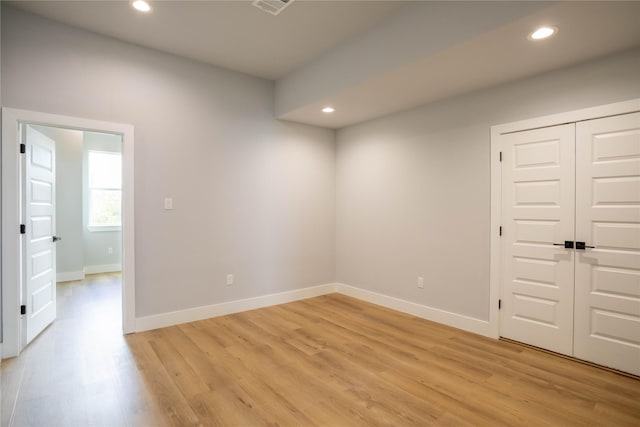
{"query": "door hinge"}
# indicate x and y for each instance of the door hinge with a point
(499, 304)
(501, 156)
(23, 148)
(23, 229)
(23, 310)
(500, 230)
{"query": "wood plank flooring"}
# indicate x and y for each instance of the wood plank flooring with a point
(326, 361)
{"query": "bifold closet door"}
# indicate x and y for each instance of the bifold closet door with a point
(607, 283)
(538, 202)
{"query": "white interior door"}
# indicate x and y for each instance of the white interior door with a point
(607, 295)
(538, 185)
(39, 253)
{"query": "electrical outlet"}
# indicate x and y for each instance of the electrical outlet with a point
(229, 279)
(420, 282)
(109, 251)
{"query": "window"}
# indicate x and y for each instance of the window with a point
(105, 189)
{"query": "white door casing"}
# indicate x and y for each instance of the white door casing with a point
(606, 277)
(607, 293)
(38, 248)
(12, 119)
(538, 184)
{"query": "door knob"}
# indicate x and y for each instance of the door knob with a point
(568, 244)
(582, 246)
(56, 238)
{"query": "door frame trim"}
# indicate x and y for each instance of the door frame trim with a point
(607, 110)
(11, 120)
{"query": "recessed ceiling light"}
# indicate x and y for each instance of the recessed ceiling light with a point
(543, 33)
(328, 110)
(141, 5)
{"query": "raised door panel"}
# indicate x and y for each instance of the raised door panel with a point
(607, 295)
(39, 250)
(538, 211)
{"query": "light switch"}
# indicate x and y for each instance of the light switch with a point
(168, 203)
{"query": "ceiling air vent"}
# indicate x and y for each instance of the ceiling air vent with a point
(273, 7)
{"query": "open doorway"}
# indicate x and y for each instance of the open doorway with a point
(98, 239)
(88, 202)
(88, 219)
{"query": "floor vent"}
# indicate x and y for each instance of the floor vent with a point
(273, 7)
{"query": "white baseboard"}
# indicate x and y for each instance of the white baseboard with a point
(69, 276)
(105, 268)
(205, 312)
(448, 318)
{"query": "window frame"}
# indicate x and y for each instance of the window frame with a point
(102, 227)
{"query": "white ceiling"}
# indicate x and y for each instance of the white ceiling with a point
(493, 56)
(230, 34)
(366, 58)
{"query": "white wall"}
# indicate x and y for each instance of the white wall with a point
(252, 196)
(69, 250)
(413, 190)
(257, 198)
(97, 243)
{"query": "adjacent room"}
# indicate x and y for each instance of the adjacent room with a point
(320, 213)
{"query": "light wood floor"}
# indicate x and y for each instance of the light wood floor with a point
(331, 361)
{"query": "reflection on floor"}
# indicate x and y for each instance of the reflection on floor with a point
(325, 361)
(77, 372)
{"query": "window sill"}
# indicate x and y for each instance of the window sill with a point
(99, 228)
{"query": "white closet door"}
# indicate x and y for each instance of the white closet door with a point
(607, 295)
(538, 192)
